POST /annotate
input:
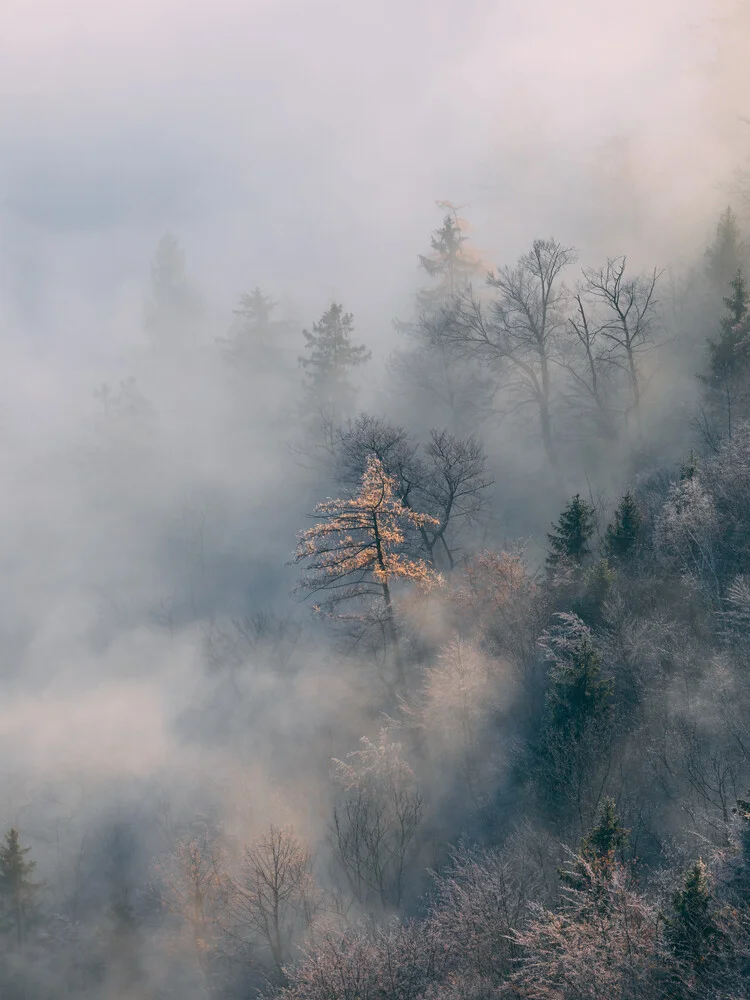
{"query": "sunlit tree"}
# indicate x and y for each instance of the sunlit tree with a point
(358, 549)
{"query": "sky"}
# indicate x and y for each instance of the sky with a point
(302, 146)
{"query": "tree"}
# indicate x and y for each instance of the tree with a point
(17, 890)
(275, 895)
(729, 355)
(447, 481)
(624, 533)
(358, 550)
(519, 334)
(692, 930)
(255, 336)
(172, 309)
(570, 537)
(577, 693)
(727, 253)
(331, 357)
(631, 306)
(597, 857)
(376, 818)
(431, 364)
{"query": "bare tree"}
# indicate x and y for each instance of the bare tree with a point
(375, 820)
(275, 895)
(519, 333)
(448, 482)
(628, 330)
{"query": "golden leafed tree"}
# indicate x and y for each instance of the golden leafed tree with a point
(360, 547)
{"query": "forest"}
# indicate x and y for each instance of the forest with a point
(376, 620)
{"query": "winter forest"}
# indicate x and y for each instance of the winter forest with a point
(376, 621)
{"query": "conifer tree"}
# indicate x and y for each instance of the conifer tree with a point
(358, 549)
(577, 692)
(692, 930)
(569, 538)
(729, 354)
(17, 891)
(256, 336)
(624, 533)
(331, 356)
(598, 852)
(172, 309)
(727, 253)
(452, 261)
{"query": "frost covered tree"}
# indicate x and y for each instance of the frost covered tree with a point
(358, 550)
(378, 812)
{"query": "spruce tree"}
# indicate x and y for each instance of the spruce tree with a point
(451, 261)
(577, 695)
(17, 891)
(569, 538)
(727, 253)
(256, 337)
(624, 533)
(692, 930)
(331, 356)
(172, 309)
(598, 852)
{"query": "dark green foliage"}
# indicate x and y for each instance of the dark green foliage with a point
(624, 533)
(729, 354)
(331, 356)
(17, 891)
(569, 539)
(692, 930)
(598, 852)
(577, 695)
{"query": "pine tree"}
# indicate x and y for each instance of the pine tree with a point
(727, 252)
(256, 337)
(569, 538)
(597, 857)
(330, 359)
(624, 533)
(452, 261)
(172, 310)
(692, 930)
(17, 891)
(729, 354)
(577, 695)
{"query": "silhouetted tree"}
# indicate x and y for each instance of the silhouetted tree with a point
(17, 890)
(331, 356)
(624, 533)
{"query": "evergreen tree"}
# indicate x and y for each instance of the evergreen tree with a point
(569, 538)
(729, 354)
(330, 359)
(17, 891)
(256, 337)
(172, 309)
(597, 857)
(726, 255)
(121, 940)
(451, 261)
(577, 695)
(692, 930)
(624, 533)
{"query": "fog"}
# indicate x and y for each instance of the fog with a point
(163, 674)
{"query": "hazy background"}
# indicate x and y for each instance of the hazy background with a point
(300, 147)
